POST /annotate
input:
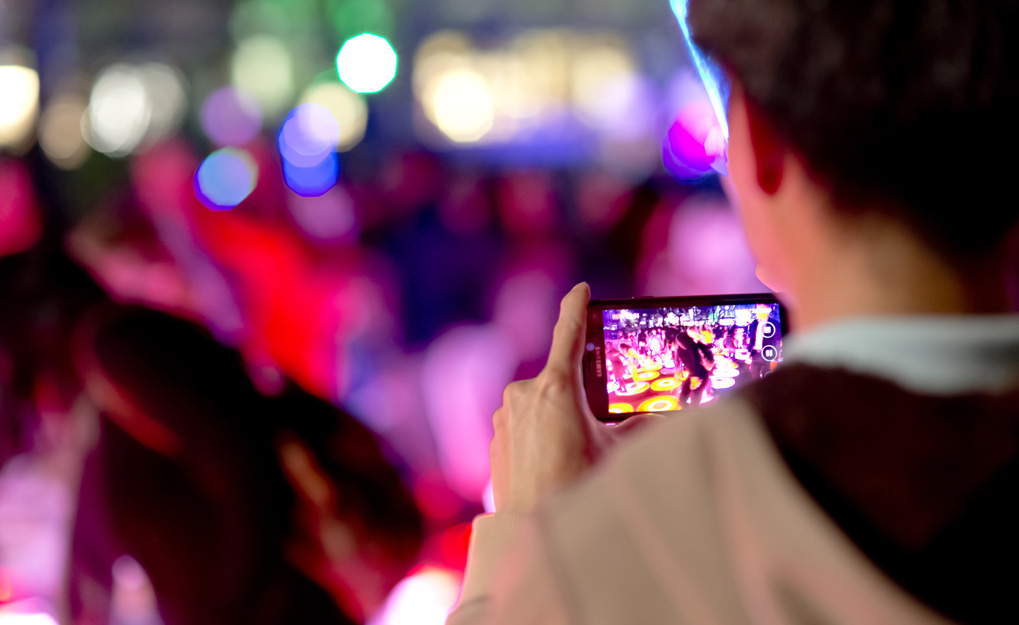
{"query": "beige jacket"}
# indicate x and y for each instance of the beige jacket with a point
(734, 540)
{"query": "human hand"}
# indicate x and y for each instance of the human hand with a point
(546, 436)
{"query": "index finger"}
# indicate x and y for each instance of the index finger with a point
(568, 337)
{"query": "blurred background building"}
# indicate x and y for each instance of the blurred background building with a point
(381, 200)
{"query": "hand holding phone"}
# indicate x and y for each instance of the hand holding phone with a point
(668, 354)
(545, 435)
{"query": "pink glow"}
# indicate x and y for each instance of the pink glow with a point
(602, 198)
(453, 544)
(328, 218)
(488, 498)
(527, 203)
(422, 598)
(464, 209)
(525, 310)
(465, 371)
(697, 247)
(36, 510)
(20, 225)
(163, 177)
(708, 249)
(689, 149)
(434, 497)
(6, 589)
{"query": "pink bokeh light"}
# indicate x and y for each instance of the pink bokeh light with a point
(697, 247)
(691, 149)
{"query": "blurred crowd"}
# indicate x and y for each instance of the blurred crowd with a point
(295, 394)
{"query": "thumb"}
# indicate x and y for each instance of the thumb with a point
(570, 331)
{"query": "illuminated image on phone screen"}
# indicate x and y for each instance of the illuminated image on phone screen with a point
(662, 359)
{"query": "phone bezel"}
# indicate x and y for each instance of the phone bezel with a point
(594, 367)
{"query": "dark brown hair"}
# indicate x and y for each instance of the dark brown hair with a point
(907, 106)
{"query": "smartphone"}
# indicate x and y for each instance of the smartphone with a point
(672, 353)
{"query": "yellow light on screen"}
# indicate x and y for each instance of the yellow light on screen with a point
(347, 107)
(460, 104)
(19, 104)
(60, 132)
(263, 66)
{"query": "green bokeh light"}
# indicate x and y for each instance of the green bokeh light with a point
(351, 17)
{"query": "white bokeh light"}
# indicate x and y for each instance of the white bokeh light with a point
(366, 63)
(19, 104)
(460, 104)
(119, 111)
(167, 92)
(34, 611)
(424, 598)
(27, 619)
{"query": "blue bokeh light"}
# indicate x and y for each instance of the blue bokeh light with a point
(226, 178)
(308, 143)
(315, 180)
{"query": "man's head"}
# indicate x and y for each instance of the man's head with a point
(906, 108)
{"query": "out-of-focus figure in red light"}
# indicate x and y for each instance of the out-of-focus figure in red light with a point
(20, 224)
(239, 507)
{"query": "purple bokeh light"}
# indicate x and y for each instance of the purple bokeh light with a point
(230, 117)
(688, 151)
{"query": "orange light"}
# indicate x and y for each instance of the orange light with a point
(665, 384)
(659, 404)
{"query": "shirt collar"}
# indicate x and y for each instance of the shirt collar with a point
(939, 354)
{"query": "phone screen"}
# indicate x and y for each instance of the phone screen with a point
(669, 354)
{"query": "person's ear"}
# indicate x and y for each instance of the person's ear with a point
(768, 148)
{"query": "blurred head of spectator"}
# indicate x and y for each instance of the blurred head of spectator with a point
(240, 507)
